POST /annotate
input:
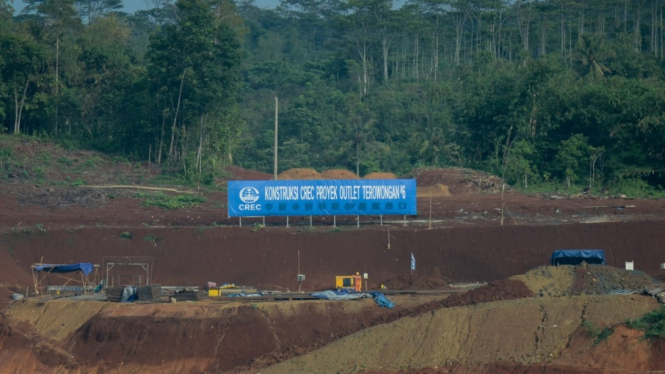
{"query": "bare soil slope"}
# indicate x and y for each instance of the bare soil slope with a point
(524, 331)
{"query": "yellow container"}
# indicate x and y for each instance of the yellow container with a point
(214, 292)
(344, 281)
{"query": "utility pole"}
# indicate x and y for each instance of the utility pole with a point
(276, 123)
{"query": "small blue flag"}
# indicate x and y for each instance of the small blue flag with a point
(413, 262)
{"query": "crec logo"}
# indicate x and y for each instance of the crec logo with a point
(249, 195)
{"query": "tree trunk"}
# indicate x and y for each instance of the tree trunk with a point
(199, 155)
(57, 76)
(172, 150)
(18, 109)
(161, 138)
(524, 23)
(563, 33)
(358, 158)
(385, 44)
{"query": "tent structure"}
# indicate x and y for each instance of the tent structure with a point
(41, 272)
(577, 256)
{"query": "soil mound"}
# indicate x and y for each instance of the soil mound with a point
(339, 174)
(380, 176)
(299, 173)
(416, 282)
(51, 198)
(459, 181)
(599, 279)
(507, 289)
(551, 281)
(436, 190)
(564, 280)
(241, 174)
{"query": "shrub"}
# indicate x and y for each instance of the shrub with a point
(172, 201)
(652, 323)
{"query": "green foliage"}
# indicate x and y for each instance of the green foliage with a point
(362, 85)
(652, 323)
(165, 201)
(127, 235)
(92, 162)
(150, 238)
(596, 333)
(572, 153)
(78, 182)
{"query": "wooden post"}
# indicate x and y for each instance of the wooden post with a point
(388, 237)
(430, 211)
(276, 129)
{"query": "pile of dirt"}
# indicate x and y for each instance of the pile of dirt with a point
(458, 180)
(51, 198)
(416, 282)
(339, 174)
(507, 289)
(553, 281)
(436, 190)
(238, 173)
(299, 173)
(380, 176)
(599, 279)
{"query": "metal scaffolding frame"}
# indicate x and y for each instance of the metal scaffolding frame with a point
(145, 263)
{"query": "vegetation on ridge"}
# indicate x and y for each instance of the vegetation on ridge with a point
(567, 94)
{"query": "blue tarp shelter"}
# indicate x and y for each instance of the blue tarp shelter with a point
(577, 256)
(85, 267)
(82, 268)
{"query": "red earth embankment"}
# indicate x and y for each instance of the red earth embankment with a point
(208, 337)
(268, 258)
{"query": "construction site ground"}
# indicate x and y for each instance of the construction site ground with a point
(528, 318)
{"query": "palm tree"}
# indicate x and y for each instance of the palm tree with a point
(589, 53)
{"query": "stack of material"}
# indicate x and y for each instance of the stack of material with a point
(150, 294)
(186, 296)
(114, 294)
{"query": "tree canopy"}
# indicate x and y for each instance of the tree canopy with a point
(552, 91)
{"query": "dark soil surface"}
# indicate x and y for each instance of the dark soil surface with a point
(45, 217)
(458, 180)
(416, 282)
(238, 173)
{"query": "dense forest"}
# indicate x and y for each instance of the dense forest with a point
(550, 92)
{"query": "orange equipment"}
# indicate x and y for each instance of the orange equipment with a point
(348, 282)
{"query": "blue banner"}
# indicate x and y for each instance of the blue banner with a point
(322, 197)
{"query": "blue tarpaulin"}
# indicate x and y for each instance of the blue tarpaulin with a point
(576, 256)
(340, 295)
(382, 300)
(379, 298)
(129, 295)
(85, 267)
